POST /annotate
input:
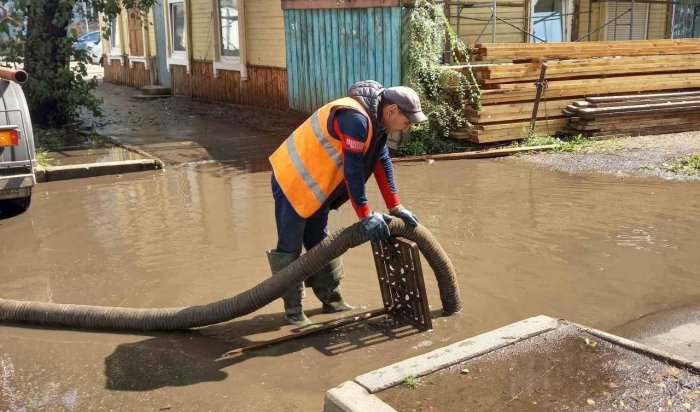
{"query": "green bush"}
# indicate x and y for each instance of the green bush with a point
(445, 93)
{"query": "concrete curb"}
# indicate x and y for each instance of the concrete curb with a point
(349, 397)
(358, 395)
(54, 173)
(639, 347)
(478, 154)
(395, 374)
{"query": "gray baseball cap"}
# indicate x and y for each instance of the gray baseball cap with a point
(408, 101)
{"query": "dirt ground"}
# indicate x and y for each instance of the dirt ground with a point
(120, 110)
(180, 129)
(644, 156)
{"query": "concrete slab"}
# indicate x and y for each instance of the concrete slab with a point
(361, 394)
(350, 396)
(65, 157)
(674, 330)
(393, 375)
(54, 173)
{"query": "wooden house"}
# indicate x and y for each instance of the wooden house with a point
(278, 54)
(220, 50)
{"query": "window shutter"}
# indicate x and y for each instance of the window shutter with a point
(135, 33)
(620, 29)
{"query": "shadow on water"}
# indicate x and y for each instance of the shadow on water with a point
(190, 357)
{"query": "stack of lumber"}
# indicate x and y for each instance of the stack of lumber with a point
(634, 115)
(507, 72)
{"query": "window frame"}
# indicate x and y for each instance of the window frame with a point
(115, 34)
(111, 52)
(567, 23)
(235, 63)
(177, 57)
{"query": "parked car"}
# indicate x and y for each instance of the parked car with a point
(94, 52)
(85, 40)
(17, 155)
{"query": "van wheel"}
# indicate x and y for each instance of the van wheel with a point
(16, 206)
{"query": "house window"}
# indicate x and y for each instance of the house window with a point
(685, 21)
(178, 34)
(230, 50)
(229, 42)
(114, 36)
(551, 20)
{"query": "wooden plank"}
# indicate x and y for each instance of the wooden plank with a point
(637, 123)
(592, 67)
(335, 4)
(621, 111)
(612, 83)
(308, 331)
(516, 111)
(396, 47)
(511, 125)
(604, 99)
(587, 53)
(516, 130)
(667, 118)
(637, 102)
(590, 87)
(534, 50)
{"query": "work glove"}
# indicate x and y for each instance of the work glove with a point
(375, 224)
(404, 214)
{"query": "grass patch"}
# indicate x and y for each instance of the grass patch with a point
(537, 141)
(66, 137)
(42, 157)
(412, 382)
(576, 143)
(689, 166)
(53, 139)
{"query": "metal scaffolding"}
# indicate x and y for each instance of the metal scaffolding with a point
(683, 18)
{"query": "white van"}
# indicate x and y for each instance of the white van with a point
(17, 152)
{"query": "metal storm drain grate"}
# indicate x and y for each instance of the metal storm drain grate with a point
(403, 293)
(401, 280)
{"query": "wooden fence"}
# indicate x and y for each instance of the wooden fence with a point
(266, 86)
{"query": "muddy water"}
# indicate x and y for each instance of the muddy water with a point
(595, 250)
(98, 155)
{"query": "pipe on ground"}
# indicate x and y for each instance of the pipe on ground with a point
(102, 317)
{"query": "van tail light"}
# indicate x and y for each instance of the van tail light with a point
(9, 138)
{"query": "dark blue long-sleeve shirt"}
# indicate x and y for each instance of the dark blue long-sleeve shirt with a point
(352, 128)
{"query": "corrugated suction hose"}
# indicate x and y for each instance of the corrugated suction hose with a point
(102, 317)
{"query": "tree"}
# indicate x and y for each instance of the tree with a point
(39, 37)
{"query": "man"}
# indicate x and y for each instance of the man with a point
(327, 161)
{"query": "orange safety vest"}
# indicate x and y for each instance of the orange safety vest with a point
(309, 165)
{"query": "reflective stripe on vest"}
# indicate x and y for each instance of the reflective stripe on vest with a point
(309, 165)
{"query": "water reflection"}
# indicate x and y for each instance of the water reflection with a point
(596, 250)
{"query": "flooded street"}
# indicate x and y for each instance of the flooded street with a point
(596, 250)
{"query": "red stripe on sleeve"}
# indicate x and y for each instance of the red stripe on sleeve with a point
(390, 198)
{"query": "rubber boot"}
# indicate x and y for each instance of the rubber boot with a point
(326, 286)
(293, 312)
